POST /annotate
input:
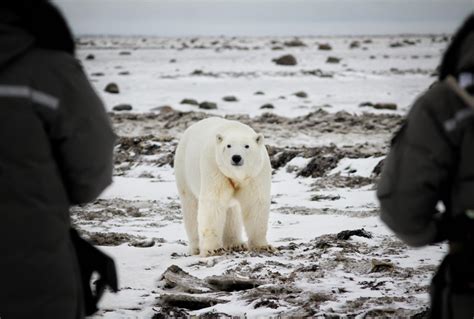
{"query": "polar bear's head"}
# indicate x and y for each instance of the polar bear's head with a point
(240, 155)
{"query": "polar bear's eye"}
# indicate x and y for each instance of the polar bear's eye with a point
(246, 146)
(229, 146)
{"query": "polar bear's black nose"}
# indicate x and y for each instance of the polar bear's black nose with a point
(236, 159)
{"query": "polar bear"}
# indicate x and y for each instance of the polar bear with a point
(223, 175)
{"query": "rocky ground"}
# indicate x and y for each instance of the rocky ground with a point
(334, 257)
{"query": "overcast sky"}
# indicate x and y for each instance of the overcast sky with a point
(263, 17)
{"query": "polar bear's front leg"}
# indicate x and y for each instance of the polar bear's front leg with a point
(211, 223)
(256, 225)
(233, 229)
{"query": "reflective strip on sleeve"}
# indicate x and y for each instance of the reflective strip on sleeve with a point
(26, 92)
(451, 124)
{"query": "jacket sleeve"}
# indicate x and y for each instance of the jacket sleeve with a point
(82, 136)
(414, 176)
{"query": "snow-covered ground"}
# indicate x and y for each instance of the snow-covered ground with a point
(325, 150)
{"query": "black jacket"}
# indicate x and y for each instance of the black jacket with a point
(432, 156)
(56, 147)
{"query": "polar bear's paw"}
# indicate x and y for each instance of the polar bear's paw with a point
(194, 250)
(238, 247)
(264, 248)
(214, 252)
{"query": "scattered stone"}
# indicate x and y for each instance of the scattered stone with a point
(267, 106)
(259, 93)
(288, 60)
(112, 88)
(97, 74)
(317, 197)
(354, 45)
(109, 239)
(143, 243)
(324, 47)
(396, 45)
(378, 168)
(230, 98)
(172, 61)
(277, 48)
(207, 105)
(381, 266)
(189, 101)
(125, 53)
(122, 107)
(364, 104)
(379, 106)
(347, 234)
(301, 94)
(232, 283)
(333, 59)
(318, 166)
(197, 72)
(294, 43)
(189, 301)
(124, 73)
(176, 278)
(90, 57)
(385, 106)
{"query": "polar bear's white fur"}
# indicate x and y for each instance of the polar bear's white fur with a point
(223, 174)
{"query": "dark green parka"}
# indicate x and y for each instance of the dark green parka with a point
(432, 160)
(56, 147)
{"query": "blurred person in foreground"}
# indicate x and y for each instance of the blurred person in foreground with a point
(56, 147)
(431, 161)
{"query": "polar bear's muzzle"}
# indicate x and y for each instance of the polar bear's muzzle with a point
(237, 160)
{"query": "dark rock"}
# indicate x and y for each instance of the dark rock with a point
(143, 243)
(112, 88)
(124, 73)
(318, 166)
(173, 61)
(385, 106)
(354, 45)
(287, 60)
(207, 105)
(125, 53)
(259, 93)
(317, 197)
(364, 104)
(230, 98)
(197, 72)
(381, 266)
(324, 47)
(378, 168)
(97, 74)
(90, 57)
(188, 301)
(176, 278)
(294, 43)
(301, 94)
(333, 59)
(122, 107)
(347, 234)
(109, 239)
(267, 106)
(277, 48)
(189, 101)
(232, 283)
(396, 45)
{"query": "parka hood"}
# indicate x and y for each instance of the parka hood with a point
(32, 23)
(459, 57)
(13, 43)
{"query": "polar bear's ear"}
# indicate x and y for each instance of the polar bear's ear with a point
(259, 139)
(219, 138)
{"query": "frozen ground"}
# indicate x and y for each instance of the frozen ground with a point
(325, 150)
